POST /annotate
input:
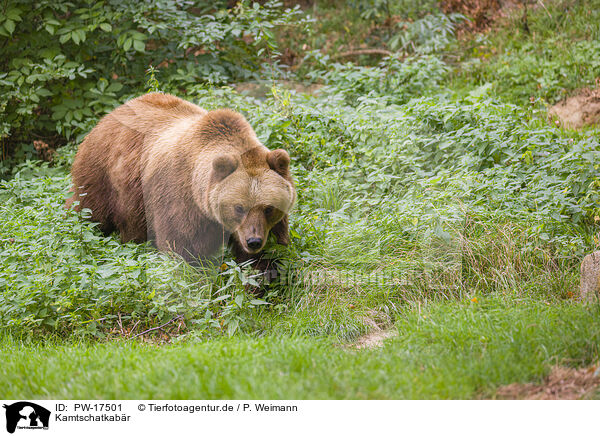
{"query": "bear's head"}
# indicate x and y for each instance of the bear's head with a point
(251, 190)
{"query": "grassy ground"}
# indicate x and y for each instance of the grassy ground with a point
(434, 199)
(453, 350)
(543, 58)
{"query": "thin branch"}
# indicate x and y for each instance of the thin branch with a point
(366, 51)
(157, 328)
(544, 6)
(93, 320)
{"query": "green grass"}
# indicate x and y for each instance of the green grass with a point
(443, 350)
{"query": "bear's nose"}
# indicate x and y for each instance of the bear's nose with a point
(254, 243)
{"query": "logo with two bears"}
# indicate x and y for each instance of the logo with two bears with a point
(26, 415)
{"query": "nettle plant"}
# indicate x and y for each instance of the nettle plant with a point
(60, 275)
(425, 158)
(395, 80)
(429, 34)
(378, 184)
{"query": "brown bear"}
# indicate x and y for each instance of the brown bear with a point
(162, 169)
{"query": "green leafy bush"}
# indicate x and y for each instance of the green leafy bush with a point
(67, 63)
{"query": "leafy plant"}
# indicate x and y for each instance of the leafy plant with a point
(65, 63)
(395, 79)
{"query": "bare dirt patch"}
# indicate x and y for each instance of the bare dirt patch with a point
(562, 384)
(374, 339)
(580, 110)
(380, 329)
(262, 89)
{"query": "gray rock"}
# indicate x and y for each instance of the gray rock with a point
(589, 287)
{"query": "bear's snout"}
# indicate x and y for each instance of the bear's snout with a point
(254, 243)
(253, 231)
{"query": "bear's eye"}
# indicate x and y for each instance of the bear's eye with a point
(239, 209)
(268, 210)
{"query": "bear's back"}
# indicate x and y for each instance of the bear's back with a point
(154, 112)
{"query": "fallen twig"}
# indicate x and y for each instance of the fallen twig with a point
(379, 51)
(157, 328)
(92, 320)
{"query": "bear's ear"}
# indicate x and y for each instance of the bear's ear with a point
(281, 231)
(279, 161)
(223, 166)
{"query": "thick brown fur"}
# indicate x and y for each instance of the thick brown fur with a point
(162, 169)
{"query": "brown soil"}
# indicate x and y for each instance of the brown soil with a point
(562, 384)
(44, 151)
(481, 12)
(578, 111)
